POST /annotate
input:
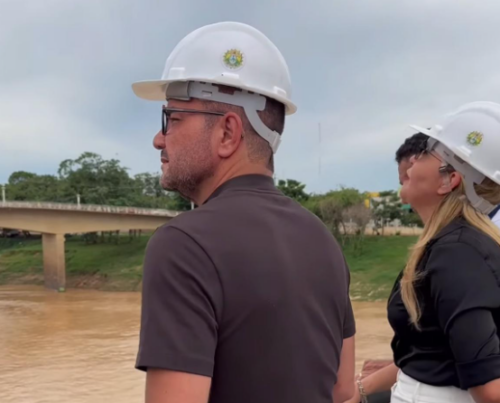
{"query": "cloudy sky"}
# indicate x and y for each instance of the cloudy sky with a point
(363, 69)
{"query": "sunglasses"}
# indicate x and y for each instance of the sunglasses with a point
(166, 112)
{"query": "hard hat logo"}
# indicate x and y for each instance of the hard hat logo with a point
(233, 59)
(475, 138)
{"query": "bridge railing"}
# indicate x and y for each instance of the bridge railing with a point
(94, 208)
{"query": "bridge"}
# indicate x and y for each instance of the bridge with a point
(54, 220)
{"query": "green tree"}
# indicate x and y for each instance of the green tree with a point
(411, 219)
(386, 210)
(96, 180)
(293, 189)
(177, 202)
(331, 208)
(27, 186)
(387, 193)
(359, 215)
(149, 185)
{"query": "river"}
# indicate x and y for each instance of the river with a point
(80, 346)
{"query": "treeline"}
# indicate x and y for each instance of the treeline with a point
(338, 207)
(93, 180)
(348, 212)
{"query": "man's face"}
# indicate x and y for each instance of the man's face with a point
(186, 149)
(403, 167)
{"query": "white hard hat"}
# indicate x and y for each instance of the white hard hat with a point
(231, 54)
(469, 140)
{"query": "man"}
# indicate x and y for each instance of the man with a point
(245, 299)
(412, 146)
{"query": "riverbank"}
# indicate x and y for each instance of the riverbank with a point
(116, 264)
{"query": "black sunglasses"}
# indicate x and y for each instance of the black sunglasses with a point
(166, 112)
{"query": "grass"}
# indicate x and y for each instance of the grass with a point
(374, 271)
(106, 265)
(116, 267)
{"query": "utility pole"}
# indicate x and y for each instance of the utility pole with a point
(3, 193)
(78, 200)
(319, 148)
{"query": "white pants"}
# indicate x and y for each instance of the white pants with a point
(408, 390)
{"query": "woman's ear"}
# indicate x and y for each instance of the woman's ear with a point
(450, 181)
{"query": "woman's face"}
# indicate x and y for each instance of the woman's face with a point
(426, 185)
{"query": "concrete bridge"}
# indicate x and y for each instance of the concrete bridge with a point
(54, 220)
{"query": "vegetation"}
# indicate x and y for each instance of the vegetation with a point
(374, 271)
(111, 261)
(93, 180)
(107, 265)
(118, 266)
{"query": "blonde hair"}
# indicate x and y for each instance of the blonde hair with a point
(454, 205)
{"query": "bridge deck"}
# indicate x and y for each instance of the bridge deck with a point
(91, 208)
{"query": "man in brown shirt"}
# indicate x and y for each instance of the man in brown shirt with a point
(245, 298)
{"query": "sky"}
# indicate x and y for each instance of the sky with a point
(362, 70)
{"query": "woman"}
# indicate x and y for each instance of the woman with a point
(445, 306)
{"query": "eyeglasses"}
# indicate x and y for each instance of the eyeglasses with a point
(444, 168)
(166, 112)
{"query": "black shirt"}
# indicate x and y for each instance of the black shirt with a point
(459, 296)
(250, 289)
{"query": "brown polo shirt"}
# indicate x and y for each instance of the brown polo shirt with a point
(250, 289)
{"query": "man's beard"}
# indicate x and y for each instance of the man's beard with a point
(188, 170)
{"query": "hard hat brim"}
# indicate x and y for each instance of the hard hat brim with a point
(154, 90)
(422, 130)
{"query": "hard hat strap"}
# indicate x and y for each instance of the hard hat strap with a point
(470, 175)
(250, 102)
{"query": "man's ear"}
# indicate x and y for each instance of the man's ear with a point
(450, 181)
(231, 134)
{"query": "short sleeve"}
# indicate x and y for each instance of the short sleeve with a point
(349, 321)
(464, 291)
(181, 301)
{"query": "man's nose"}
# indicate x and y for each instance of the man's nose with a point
(159, 141)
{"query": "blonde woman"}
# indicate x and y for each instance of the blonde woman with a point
(445, 306)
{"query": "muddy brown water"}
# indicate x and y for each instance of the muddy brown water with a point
(80, 346)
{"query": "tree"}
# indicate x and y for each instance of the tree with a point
(411, 219)
(96, 180)
(331, 214)
(360, 216)
(27, 186)
(177, 202)
(332, 206)
(293, 189)
(388, 193)
(385, 211)
(149, 184)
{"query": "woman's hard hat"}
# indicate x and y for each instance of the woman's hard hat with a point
(469, 140)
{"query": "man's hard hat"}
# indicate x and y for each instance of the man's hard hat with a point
(469, 140)
(226, 53)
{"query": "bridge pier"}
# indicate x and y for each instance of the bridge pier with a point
(54, 265)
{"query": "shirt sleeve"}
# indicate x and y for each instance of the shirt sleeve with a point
(181, 300)
(349, 321)
(464, 290)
